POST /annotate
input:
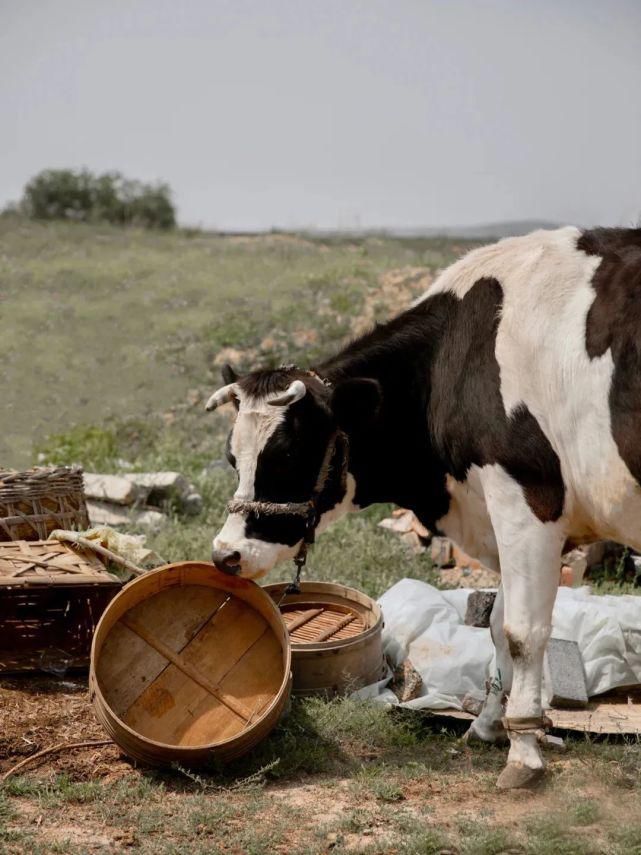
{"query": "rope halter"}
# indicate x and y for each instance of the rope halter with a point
(308, 510)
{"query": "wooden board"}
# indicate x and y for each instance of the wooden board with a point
(617, 712)
(190, 666)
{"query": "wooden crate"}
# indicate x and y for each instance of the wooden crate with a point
(35, 502)
(51, 598)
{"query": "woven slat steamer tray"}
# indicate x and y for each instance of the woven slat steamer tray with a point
(313, 622)
(51, 598)
(36, 501)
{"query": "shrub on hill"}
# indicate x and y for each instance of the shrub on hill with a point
(65, 194)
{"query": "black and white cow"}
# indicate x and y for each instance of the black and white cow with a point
(503, 408)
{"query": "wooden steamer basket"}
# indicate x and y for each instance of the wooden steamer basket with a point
(189, 665)
(335, 634)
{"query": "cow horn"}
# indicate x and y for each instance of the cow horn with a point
(222, 396)
(294, 392)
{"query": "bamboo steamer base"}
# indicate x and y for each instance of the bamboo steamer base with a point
(190, 665)
(335, 634)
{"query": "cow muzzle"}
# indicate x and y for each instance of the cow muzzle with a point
(226, 560)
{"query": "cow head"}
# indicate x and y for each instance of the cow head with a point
(286, 421)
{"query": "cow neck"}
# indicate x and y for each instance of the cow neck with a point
(392, 457)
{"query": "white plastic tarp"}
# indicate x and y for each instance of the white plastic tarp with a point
(427, 626)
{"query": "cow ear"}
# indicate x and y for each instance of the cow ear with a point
(355, 403)
(229, 375)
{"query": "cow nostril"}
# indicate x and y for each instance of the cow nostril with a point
(226, 561)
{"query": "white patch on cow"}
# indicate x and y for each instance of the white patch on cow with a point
(254, 426)
(530, 553)
(524, 263)
(467, 521)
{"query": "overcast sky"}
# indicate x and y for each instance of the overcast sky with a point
(334, 113)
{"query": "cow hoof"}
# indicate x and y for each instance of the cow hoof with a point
(496, 735)
(518, 777)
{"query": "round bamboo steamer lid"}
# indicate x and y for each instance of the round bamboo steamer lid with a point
(336, 636)
(190, 665)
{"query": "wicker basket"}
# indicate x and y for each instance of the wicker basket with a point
(51, 598)
(35, 502)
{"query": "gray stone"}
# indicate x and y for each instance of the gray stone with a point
(565, 675)
(159, 486)
(479, 608)
(112, 488)
(150, 519)
(103, 513)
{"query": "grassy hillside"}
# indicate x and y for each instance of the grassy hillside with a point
(100, 322)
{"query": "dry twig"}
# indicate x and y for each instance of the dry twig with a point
(61, 746)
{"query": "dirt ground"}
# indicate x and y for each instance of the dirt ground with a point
(431, 794)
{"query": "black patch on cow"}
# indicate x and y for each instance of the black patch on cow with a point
(467, 417)
(516, 647)
(391, 454)
(229, 453)
(614, 322)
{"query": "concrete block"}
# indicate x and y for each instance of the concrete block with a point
(565, 675)
(479, 608)
(103, 513)
(112, 488)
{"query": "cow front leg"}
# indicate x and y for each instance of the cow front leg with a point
(530, 552)
(489, 727)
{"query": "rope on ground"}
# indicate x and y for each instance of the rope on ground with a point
(61, 746)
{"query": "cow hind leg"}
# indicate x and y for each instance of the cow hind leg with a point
(489, 727)
(530, 552)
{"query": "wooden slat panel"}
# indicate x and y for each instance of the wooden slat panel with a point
(187, 668)
(225, 639)
(185, 705)
(258, 675)
(127, 665)
(177, 711)
(176, 615)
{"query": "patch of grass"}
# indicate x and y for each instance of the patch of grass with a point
(56, 791)
(585, 812)
(550, 835)
(479, 840)
(627, 840)
(429, 841)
